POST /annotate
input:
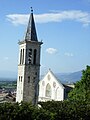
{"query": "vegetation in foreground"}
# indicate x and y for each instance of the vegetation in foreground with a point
(77, 107)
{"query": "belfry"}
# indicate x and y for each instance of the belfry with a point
(29, 65)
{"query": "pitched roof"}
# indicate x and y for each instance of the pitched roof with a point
(31, 34)
(50, 72)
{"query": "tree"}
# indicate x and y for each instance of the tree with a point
(82, 87)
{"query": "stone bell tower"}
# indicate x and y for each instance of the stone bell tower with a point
(29, 65)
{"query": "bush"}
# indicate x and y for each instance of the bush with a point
(68, 110)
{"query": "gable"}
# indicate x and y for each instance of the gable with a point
(51, 79)
(50, 88)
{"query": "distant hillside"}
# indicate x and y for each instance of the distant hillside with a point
(8, 76)
(7, 79)
(63, 77)
(69, 77)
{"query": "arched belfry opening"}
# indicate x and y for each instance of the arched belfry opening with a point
(34, 57)
(29, 56)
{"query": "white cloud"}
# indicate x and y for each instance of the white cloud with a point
(51, 50)
(68, 54)
(17, 19)
(75, 15)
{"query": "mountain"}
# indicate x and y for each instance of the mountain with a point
(69, 77)
(63, 77)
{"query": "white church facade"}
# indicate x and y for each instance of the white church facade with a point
(50, 88)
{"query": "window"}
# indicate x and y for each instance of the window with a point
(28, 79)
(30, 56)
(54, 84)
(48, 90)
(21, 78)
(21, 56)
(34, 59)
(43, 83)
(35, 73)
(48, 77)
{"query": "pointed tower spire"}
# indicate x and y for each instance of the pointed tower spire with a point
(31, 34)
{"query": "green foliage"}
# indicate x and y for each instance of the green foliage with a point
(82, 87)
(23, 111)
(67, 110)
(51, 110)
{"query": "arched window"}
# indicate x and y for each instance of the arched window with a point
(21, 56)
(30, 56)
(28, 79)
(34, 58)
(48, 90)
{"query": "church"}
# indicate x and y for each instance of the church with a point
(29, 88)
(50, 88)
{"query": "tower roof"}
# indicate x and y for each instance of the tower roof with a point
(31, 34)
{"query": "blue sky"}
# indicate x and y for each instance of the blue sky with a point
(63, 25)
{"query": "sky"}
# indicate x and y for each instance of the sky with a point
(62, 25)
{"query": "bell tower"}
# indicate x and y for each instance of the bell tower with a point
(29, 65)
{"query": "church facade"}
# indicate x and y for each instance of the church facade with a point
(50, 88)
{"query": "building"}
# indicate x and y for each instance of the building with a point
(29, 65)
(50, 88)
(28, 86)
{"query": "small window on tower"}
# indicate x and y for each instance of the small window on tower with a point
(21, 56)
(30, 56)
(28, 79)
(21, 78)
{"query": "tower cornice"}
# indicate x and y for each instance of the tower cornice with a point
(33, 42)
